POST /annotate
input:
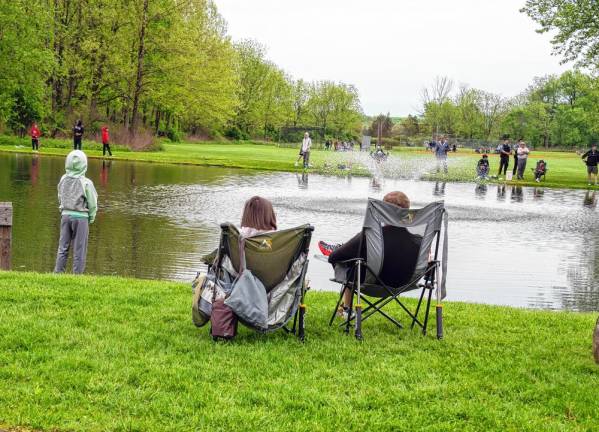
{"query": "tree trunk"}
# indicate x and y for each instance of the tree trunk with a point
(157, 122)
(141, 52)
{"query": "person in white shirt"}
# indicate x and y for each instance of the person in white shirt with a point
(522, 155)
(305, 150)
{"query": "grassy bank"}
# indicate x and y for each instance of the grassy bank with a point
(566, 170)
(103, 353)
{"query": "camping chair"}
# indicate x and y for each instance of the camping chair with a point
(421, 230)
(534, 170)
(279, 260)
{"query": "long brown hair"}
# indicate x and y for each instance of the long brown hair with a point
(259, 214)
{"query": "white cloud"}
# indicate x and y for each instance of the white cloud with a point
(390, 49)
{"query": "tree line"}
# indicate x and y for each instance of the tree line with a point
(155, 67)
(553, 111)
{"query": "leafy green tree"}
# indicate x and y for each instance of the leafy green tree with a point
(574, 26)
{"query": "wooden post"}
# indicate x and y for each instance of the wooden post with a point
(5, 234)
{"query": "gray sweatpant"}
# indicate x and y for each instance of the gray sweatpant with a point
(521, 168)
(72, 230)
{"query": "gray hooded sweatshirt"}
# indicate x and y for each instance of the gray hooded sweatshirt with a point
(76, 193)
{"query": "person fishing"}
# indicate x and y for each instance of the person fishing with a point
(105, 141)
(35, 136)
(505, 150)
(77, 135)
(441, 150)
(305, 151)
(591, 158)
(522, 155)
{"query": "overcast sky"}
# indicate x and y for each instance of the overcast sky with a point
(390, 49)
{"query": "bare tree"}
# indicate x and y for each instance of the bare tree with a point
(438, 92)
(491, 106)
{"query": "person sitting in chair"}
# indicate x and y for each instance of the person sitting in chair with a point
(482, 168)
(394, 238)
(258, 218)
(540, 170)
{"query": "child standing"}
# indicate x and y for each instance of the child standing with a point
(35, 137)
(105, 141)
(78, 205)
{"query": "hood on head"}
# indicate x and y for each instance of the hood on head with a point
(76, 164)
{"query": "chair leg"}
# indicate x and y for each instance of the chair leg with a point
(293, 329)
(417, 309)
(337, 306)
(301, 328)
(358, 330)
(428, 307)
(349, 312)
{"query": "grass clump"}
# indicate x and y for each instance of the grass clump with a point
(105, 353)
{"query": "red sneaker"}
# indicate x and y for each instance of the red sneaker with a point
(326, 248)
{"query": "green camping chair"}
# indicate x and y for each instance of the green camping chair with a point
(279, 260)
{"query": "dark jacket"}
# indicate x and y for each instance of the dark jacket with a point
(591, 158)
(400, 254)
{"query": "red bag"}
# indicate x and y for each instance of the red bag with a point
(223, 321)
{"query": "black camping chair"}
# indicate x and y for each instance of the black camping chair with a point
(370, 279)
(279, 259)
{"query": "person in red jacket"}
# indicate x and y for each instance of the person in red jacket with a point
(35, 136)
(105, 141)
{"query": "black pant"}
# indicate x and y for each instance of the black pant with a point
(77, 143)
(106, 146)
(515, 165)
(35, 144)
(503, 163)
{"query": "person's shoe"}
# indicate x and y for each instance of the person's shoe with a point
(537, 180)
(343, 313)
(326, 248)
(295, 164)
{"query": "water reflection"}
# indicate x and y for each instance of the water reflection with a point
(590, 199)
(104, 172)
(501, 192)
(538, 193)
(439, 189)
(35, 167)
(517, 194)
(376, 184)
(480, 190)
(156, 221)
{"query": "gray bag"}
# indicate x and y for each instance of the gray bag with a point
(248, 298)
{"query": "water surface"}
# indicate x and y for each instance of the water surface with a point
(517, 246)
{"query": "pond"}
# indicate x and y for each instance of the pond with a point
(530, 247)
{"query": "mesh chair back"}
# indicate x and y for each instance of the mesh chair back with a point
(422, 225)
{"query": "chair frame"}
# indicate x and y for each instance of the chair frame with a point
(298, 327)
(355, 285)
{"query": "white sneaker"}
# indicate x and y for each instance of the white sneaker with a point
(295, 163)
(537, 180)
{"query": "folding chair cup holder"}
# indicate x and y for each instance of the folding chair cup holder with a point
(426, 230)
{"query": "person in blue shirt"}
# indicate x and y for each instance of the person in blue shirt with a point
(441, 150)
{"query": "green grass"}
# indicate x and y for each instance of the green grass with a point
(104, 353)
(566, 170)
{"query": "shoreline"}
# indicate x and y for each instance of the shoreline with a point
(264, 157)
